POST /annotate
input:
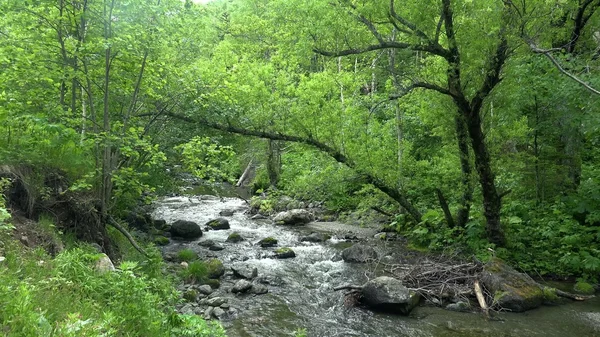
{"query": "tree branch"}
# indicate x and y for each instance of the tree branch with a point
(547, 53)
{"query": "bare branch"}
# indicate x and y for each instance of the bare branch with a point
(547, 53)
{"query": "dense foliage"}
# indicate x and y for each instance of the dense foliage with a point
(475, 123)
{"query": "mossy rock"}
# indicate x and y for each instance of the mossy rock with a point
(190, 295)
(512, 290)
(213, 283)
(268, 242)
(161, 240)
(218, 224)
(284, 253)
(584, 288)
(234, 237)
(215, 268)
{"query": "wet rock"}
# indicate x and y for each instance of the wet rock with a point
(206, 243)
(208, 313)
(293, 217)
(218, 312)
(161, 241)
(315, 237)
(234, 237)
(215, 301)
(241, 286)
(389, 294)
(267, 242)
(218, 224)
(258, 217)
(215, 268)
(511, 290)
(160, 224)
(216, 248)
(259, 289)
(284, 253)
(205, 289)
(186, 229)
(224, 306)
(187, 309)
(226, 212)
(459, 306)
(245, 272)
(359, 253)
(104, 264)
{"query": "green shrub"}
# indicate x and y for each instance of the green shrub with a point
(187, 255)
(65, 296)
(196, 271)
(585, 288)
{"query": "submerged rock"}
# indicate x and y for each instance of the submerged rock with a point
(284, 253)
(359, 253)
(459, 306)
(218, 224)
(293, 217)
(259, 289)
(511, 290)
(267, 242)
(206, 243)
(234, 237)
(389, 294)
(315, 237)
(186, 229)
(226, 212)
(258, 217)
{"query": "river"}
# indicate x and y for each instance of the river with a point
(301, 289)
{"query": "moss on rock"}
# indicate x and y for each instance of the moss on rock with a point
(584, 288)
(215, 268)
(267, 242)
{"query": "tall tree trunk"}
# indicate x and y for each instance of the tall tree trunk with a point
(273, 162)
(491, 198)
(462, 136)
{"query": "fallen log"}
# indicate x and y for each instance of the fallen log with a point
(481, 299)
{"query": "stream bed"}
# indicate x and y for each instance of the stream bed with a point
(301, 291)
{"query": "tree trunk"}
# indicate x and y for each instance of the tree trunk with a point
(491, 198)
(273, 162)
(462, 136)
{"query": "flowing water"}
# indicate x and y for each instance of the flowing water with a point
(301, 291)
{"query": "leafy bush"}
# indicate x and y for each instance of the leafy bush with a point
(65, 296)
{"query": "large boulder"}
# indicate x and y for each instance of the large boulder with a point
(511, 290)
(186, 229)
(268, 242)
(389, 294)
(359, 253)
(104, 264)
(218, 223)
(293, 217)
(284, 253)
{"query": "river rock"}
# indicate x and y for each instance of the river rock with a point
(293, 217)
(215, 301)
(241, 286)
(218, 312)
(216, 248)
(259, 289)
(234, 237)
(160, 224)
(208, 313)
(459, 306)
(205, 289)
(267, 242)
(104, 264)
(245, 272)
(206, 243)
(187, 309)
(215, 268)
(226, 212)
(511, 290)
(315, 237)
(258, 217)
(218, 224)
(359, 253)
(161, 240)
(186, 229)
(389, 294)
(284, 253)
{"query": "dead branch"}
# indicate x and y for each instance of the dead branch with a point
(348, 287)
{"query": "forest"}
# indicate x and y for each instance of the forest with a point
(471, 127)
